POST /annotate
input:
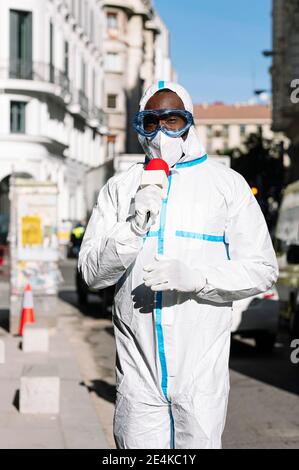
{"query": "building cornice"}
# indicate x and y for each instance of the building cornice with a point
(131, 7)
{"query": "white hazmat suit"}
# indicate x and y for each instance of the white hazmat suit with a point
(173, 346)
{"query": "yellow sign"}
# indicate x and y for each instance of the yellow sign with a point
(31, 231)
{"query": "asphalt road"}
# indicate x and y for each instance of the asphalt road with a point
(264, 404)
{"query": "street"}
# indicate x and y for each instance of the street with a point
(263, 407)
(262, 412)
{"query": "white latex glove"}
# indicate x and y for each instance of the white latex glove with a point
(148, 199)
(171, 274)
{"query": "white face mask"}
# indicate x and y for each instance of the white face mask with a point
(169, 149)
(192, 146)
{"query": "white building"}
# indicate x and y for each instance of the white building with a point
(222, 127)
(136, 47)
(51, 92)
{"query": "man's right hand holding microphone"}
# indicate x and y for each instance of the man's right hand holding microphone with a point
(148, 202)
(148, 199)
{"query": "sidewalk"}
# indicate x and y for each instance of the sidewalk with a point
(76, 427)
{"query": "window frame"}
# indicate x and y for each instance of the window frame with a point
(109, 15)
(20, 119)
(109, 96)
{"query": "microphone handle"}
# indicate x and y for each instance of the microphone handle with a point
(148, 215)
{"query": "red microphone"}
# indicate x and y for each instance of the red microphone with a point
(156, 173)
(158, 164)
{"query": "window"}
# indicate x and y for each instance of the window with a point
(79, 3)
(51, 52)
(83, 76)
(225, 130)
(20, 44)
(93, 91)
(17, 117)
(242, 130)
(86, 17)
(111, 146)
(112, 101)
(73, 8)
(66, 58)
(112, 62)
(112, 20)
(209, 131)
(91, 34)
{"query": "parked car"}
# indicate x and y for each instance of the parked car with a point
(257, 317)
(286, 244)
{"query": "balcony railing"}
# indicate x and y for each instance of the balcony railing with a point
(79, 105)
(83, 101)
(97, 117)
(35, 71)
(75, 99)
(78, 102)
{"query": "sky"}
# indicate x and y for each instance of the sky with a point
(216, 46)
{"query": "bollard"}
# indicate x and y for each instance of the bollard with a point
(35, 339)
(40, 389)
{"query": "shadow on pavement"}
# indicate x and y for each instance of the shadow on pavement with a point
(110, 330)
(16, 400)
(103, 389)
(274, 368)
(94, 308)
(4, 319)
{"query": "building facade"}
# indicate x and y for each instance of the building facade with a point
(52, 125)
(136, 53)
(222, 127)
(285, 75)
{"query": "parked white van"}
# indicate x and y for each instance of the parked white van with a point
(287, 250)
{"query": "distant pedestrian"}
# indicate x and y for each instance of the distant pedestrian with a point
(76, 238)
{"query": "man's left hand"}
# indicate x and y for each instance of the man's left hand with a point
(171, 274)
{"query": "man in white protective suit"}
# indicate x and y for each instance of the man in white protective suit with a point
(178, 263)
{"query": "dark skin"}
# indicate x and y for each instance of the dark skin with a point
(166, 100)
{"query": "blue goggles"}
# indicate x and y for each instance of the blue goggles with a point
(173, 122)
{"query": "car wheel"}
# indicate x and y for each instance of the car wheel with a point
(265, 342)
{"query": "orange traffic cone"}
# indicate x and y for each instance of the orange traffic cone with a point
(27, 315)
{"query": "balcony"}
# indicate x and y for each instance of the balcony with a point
(34, 77)
(44, 78)
(97, 119)
(79, 103)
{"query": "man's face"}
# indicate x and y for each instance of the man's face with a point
(166, 100)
